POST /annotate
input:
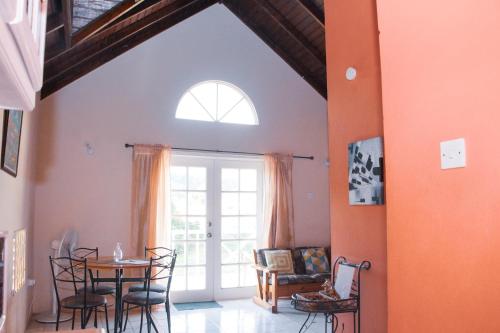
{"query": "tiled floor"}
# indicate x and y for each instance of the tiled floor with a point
(239, 316)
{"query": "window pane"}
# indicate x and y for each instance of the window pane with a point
(197, 178)
(197, 203)
(189, 108)
(179, 279)
(248, 203)
(242, 113)
(178, 177)
(180, 249)
(229, 228)
(197, 228)
(248, 227)
(196, 253)
(247, 276)
(179, 203)
(228, 97)
(178, 228)
(206, 94)
(196, 278)
(229, 276)
(229, 203)
(246, 253)
(230, 179)
(248, 180)
(229, 252)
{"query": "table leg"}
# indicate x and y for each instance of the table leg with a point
(118, 300)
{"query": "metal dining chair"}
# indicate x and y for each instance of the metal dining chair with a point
(63, 273)
(87, 253)
(144, 299)
(163, 263)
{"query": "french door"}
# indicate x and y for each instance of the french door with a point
(216, 208)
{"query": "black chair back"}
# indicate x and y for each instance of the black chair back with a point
(67, 270)
(87, 253)
(163, 263)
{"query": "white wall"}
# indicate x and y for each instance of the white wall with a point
(16, 212)
(133, 99)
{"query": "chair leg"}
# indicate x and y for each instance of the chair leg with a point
(95, 317)
(106, 314)
(148, 319)
(82, 319)
(58, 316)
(152, 321)
(167, 309)
(126, 317)
(73, 320)
(142, 315)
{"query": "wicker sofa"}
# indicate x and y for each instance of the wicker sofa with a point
(273, 285)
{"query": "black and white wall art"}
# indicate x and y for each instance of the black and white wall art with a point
(366, 177)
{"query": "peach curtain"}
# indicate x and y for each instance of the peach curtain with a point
(150, 191)
(278, 196)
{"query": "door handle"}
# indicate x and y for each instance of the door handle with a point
(209, 235)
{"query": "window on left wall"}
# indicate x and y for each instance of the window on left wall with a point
(19, 260)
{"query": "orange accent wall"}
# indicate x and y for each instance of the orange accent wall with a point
(441, 80)
(355, 113)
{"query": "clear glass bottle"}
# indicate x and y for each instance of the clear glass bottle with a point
(118, 253)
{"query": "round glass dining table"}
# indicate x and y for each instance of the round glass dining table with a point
(109, 263)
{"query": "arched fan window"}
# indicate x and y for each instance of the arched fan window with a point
(217, 101)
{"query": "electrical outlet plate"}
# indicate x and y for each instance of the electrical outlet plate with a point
(453, 154)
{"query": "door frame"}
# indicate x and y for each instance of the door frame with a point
(214, 162)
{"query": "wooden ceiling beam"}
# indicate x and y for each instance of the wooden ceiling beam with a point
(313, 10)
(302, 70)
(54, 22)
(291, 30)
(67, 13)
(110, 43)
(104, 20)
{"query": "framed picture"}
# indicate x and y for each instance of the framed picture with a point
(11, 141)
(366, 172)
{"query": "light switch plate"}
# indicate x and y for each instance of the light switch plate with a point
(453, 154)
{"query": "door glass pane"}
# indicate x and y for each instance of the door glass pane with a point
(229, 252)
(197, 203)
(196, 253)
(178, 177)
(248, 180)
(229, 203)
(180, 249)
(246, 253)
(179, 279)
(247, 276)
(197, 179)
(197, 228)
(178, 228)
(248, 203)
(248, 227)
(179, 202)
(229, 179)
(229, 276)
(196, 278)
(229, 228)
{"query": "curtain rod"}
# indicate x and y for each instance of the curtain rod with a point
(128, 145)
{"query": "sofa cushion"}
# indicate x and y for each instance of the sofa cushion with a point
(298, 260)
(284, 279)
(280, 260)
(315, 260)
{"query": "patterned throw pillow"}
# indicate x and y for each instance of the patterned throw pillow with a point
(280, 260)
(316, 260)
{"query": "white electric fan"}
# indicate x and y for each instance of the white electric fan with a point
(61, 248)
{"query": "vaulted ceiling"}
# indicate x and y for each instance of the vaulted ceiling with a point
(85, 34)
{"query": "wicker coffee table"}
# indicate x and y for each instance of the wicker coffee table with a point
(326, 303)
